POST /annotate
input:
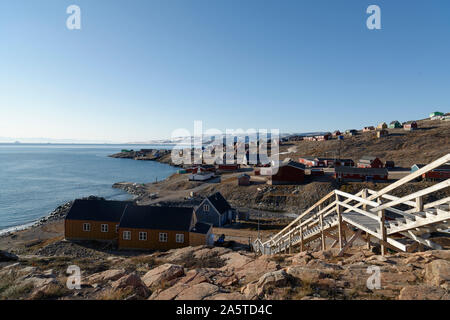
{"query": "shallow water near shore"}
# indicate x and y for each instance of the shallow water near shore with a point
(35, 179)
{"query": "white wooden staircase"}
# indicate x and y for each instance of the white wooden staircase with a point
(368, 212)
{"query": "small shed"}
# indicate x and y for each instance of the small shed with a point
(244, 180)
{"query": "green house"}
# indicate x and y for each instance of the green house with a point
(395, 124)
(436, 114)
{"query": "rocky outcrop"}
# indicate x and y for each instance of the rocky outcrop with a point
(162, 274)
(437, 273)
(178, 275)
(7, 257)
(131, 283)
(108, 275)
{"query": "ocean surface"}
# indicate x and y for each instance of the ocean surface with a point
(35, 179)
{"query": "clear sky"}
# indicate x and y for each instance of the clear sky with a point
(139, 69)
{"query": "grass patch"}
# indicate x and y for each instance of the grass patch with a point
(213, 261)
(52, 291)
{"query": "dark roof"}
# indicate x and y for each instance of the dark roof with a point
(363, 171)
(97, 210)
(201, 227)
(219, 202)
(157, 218)
(294, 164)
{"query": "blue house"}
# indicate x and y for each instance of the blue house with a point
(215, 210)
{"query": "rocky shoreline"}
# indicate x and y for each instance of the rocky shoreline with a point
(160, 155)
(217, 273)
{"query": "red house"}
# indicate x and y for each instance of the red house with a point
(360, 174)
(439, 173)
(308, 161)
(370, 162)
(288, 173)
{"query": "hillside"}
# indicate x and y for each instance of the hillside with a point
(428, 143)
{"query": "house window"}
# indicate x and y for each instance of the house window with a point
(143, 236)
(104, 228)
(117, 228)
(127, 235)
(86, 227)
(163, 237)
(179, 238)
(206, 207)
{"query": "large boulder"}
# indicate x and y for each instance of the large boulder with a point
(7, 257)
(272, 279)
(131, 281)
(255, 269)
(305, 274)
(437, 273)
(226, 296)
(235, 261)
(163, 273)
(108, 275)
(198, 292)
(423, 292)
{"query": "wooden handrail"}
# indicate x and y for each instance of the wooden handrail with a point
(436, 187)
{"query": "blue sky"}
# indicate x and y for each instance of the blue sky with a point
(139, 69)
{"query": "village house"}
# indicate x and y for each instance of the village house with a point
(308, 161)
(335, 162)
(287, 172)
(382, 125)
(436, 115)
(410, 125)
(243, 180)
(439, 173)
(325, 162)
(367, 129)
(229, 167)
(395, 124)
(215, 210)
(370, 162)
(161, 228)
(344, 174)
(94, 219)
(351, 132)
(201, 175)
(337, 133)
(201, 167)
